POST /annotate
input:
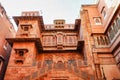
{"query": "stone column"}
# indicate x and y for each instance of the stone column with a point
(98, 71)
(97, 66)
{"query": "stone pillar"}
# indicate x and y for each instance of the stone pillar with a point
(97, 66)
(98, 71)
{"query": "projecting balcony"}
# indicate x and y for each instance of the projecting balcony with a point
(31, 38)
(19, 59)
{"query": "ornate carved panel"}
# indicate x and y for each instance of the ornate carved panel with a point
(60, 65)
(34, 75)
(70, 40)
(49, 40)
(59, 39)
(61, 61)
(20, 55)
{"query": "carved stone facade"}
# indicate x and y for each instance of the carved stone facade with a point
(85, 50)
(42, 52)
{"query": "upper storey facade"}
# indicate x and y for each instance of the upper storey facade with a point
(56, 36)
(61, 35)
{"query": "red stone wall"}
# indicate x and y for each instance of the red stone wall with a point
(7, 30)
(102, 54)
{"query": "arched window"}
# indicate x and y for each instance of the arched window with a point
(106, 40)
(44, 39)
(103, 12)
(60, 65)
(98, 41)
(111, 33)
(19, 55)
(1, 14)
(118, 22)
(54, 40)
(108, 37)
(70, 39)
(48, 64)
(65, 39)
(117, 57)
(102, 40)
(1, 61)
(25, 29)
(97, 20)
(115, 28)
(59, 38)
(119, 13)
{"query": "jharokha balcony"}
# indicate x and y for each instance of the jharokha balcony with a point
(19, 59)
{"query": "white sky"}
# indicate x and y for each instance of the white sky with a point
(50, 9)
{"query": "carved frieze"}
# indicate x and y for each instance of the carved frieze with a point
(59, 40)
(61, 61)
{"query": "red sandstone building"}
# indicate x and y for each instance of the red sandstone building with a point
(6, 29)
(89, 49)
(101, 29)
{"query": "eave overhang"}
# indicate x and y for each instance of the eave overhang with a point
(38, 18)
(36, 40)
